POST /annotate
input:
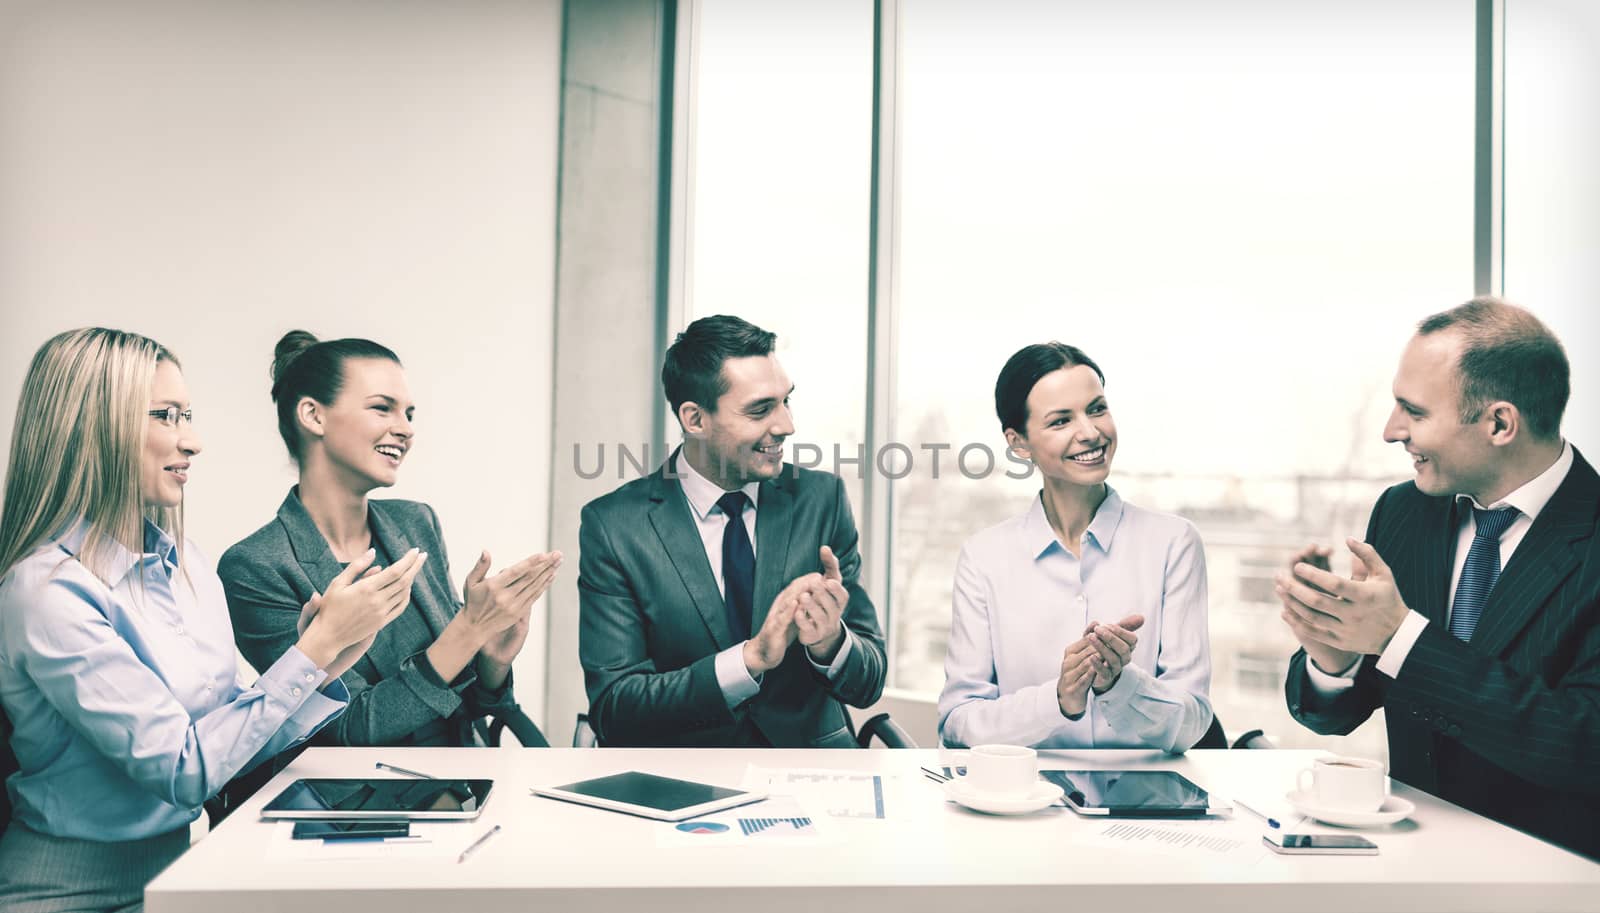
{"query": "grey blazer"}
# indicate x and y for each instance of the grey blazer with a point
(395, 697)
(651, 620)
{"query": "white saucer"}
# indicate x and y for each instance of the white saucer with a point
(1393, 809)
(1042, 795)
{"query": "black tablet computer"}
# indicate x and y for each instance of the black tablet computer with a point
(1133, 793)
(373, 799)
(650, 796)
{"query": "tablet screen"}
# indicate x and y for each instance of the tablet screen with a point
(393, 797)
(1130, 790)
(650, 791)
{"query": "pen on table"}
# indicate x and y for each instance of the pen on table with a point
(1271, 822)
(402, 770)
(477, 843)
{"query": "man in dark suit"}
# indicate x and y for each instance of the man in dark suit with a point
(1472, 615)
(718, 596)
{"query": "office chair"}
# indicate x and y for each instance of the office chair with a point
(8, 766)
(1216, 738)
(884, 729)
(879, 727)
(524, 730)
(583, 735)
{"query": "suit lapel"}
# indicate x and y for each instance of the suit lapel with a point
(316, 560)
(1542, 560)
(1438, 549)
(674, 526)
(774, 519)
(394, 543)
(310, 549)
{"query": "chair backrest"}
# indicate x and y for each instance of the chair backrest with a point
(583, 735)
(1215, 738)
(8, 766)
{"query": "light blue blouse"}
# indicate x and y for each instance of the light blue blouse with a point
(1021, 598)
(125, 701)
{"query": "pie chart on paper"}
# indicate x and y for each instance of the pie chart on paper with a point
(702, 827)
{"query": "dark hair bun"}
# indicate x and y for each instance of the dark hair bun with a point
(285, 352)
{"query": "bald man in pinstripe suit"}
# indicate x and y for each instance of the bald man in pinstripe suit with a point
(1472, 614)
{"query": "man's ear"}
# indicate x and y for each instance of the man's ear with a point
(692, 418)
(1018, 444)
(1505, 423)
(308, 413)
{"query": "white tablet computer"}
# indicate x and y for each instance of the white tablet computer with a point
(650, 796)
(368, 799)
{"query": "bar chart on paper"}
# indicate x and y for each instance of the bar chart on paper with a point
(1224, 839)
(753, 826)
(1176, 839)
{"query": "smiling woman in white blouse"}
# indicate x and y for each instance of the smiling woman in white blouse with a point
(117, 667)
(1082, 622)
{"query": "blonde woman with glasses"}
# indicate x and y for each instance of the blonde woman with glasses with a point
(117, 667)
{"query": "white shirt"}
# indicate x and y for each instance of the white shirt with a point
(1021, 597)
(733, 677)
(1529, 500)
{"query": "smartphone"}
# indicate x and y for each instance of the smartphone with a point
(350, 830)
(1320, 845)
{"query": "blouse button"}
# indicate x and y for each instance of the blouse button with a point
(295, 691)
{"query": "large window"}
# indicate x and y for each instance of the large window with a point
(779, 213)
(1239, 208)
(1552, 187)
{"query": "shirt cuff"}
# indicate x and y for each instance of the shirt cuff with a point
(292, 679)
(320, 709)
(1122, 690)
(1405, 637)
(734, 679)
(1326, 684)
(832, 669)
(1048, 712)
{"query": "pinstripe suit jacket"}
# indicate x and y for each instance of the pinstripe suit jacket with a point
(1507, 725)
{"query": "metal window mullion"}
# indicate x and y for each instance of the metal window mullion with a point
(1488, 203)
(883, 240)
(675, 268)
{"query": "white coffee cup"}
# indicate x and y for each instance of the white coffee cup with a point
(1001, 770)
(1345, 784)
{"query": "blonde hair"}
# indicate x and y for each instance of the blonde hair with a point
(77, 447)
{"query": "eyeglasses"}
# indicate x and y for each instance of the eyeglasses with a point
(171, 415)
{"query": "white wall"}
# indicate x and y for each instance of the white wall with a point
(214, 173)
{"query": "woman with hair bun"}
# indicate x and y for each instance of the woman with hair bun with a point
(1081, 559)
(345, 414)
(117, 668)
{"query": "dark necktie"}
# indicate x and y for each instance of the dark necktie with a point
(738, 566)
(1481, 571)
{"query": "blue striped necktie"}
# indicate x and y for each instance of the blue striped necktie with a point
(1481, 571)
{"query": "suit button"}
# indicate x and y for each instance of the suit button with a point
(1294, 708)
(1453, 730)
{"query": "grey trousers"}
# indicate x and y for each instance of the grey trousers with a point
(44, 874)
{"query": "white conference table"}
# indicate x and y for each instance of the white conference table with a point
(926, 855)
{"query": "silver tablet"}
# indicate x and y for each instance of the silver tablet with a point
(650, 796)
(368, 799)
